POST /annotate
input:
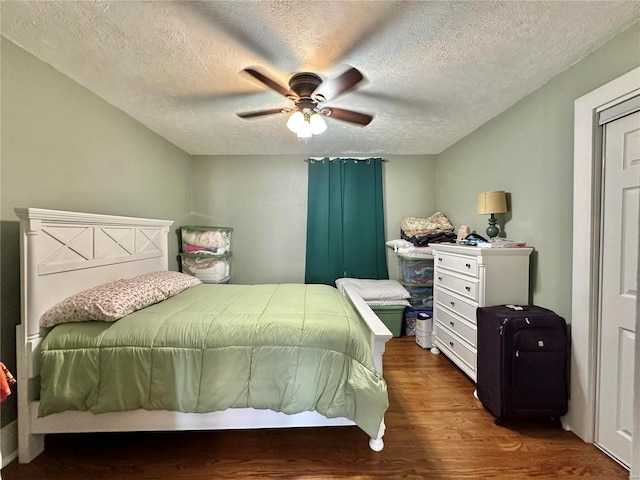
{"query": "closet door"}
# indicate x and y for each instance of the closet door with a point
(621, 201)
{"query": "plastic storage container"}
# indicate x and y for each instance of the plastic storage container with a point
(421, 297)
(206, 240)
(416, 270)
(208, 268)
(411, 317)
(391, 316)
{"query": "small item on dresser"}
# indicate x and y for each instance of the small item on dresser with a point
(463, 232)
(473, 239)
(504, 243)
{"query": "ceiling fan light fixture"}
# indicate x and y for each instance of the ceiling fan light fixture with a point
(306, 124)
(307, 90)
(296, 121)
(318, 125)
(305, 130)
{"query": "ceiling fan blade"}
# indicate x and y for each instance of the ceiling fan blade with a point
(261, 113)
(269, 82)
(342, 83)
(347, 115)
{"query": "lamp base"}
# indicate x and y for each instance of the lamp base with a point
(492, 230)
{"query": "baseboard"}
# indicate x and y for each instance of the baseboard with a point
(9, 443)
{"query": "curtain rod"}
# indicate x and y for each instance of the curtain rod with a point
(343, 159)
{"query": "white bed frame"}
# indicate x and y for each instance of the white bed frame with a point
(66, 252)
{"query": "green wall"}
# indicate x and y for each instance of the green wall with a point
(264, 198)
(65, 148)
(528, 151)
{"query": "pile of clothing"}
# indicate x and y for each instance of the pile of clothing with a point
(215, 242)
(422, 231)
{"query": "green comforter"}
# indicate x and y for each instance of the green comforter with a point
(289, 348)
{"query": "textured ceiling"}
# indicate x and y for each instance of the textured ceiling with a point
(435, 70)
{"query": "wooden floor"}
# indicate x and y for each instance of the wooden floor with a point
(436, 430)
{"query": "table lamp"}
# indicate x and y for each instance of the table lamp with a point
(492, 203)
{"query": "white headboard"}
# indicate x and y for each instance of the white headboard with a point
(63, 253)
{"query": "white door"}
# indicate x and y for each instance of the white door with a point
(621, 207)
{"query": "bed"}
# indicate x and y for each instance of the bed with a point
(64, 253)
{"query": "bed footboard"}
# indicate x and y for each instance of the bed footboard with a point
(373, 327)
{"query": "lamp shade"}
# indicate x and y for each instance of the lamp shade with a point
(492, 202)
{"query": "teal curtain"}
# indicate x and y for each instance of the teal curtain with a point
(345, 221)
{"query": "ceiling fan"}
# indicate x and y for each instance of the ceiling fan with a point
(308, 91)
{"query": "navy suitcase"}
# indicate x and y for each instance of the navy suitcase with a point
(521, 361)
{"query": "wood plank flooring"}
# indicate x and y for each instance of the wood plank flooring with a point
(436, 430)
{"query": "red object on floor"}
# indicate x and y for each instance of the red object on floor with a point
(6, 380)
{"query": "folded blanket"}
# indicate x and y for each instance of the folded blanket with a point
(416, 227)
(377, 292)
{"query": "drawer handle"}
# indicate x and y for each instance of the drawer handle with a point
(452, 303)
(439, 259)
(468, 265)
(440, 278)
(452, 324)
(451, 343)
(468, 289)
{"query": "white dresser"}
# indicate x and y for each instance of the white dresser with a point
(466, 278)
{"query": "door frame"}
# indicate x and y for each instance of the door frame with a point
(587, 176)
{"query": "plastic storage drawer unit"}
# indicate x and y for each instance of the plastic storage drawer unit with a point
(208, 268)
(416, 270)
(421, 296)
(206, 240)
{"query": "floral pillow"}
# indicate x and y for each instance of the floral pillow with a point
(110, 301)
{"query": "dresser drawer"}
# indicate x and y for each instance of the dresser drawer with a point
(461, 327)
(453, 344)
(458, 263)
(468, 288)
(461, 307)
